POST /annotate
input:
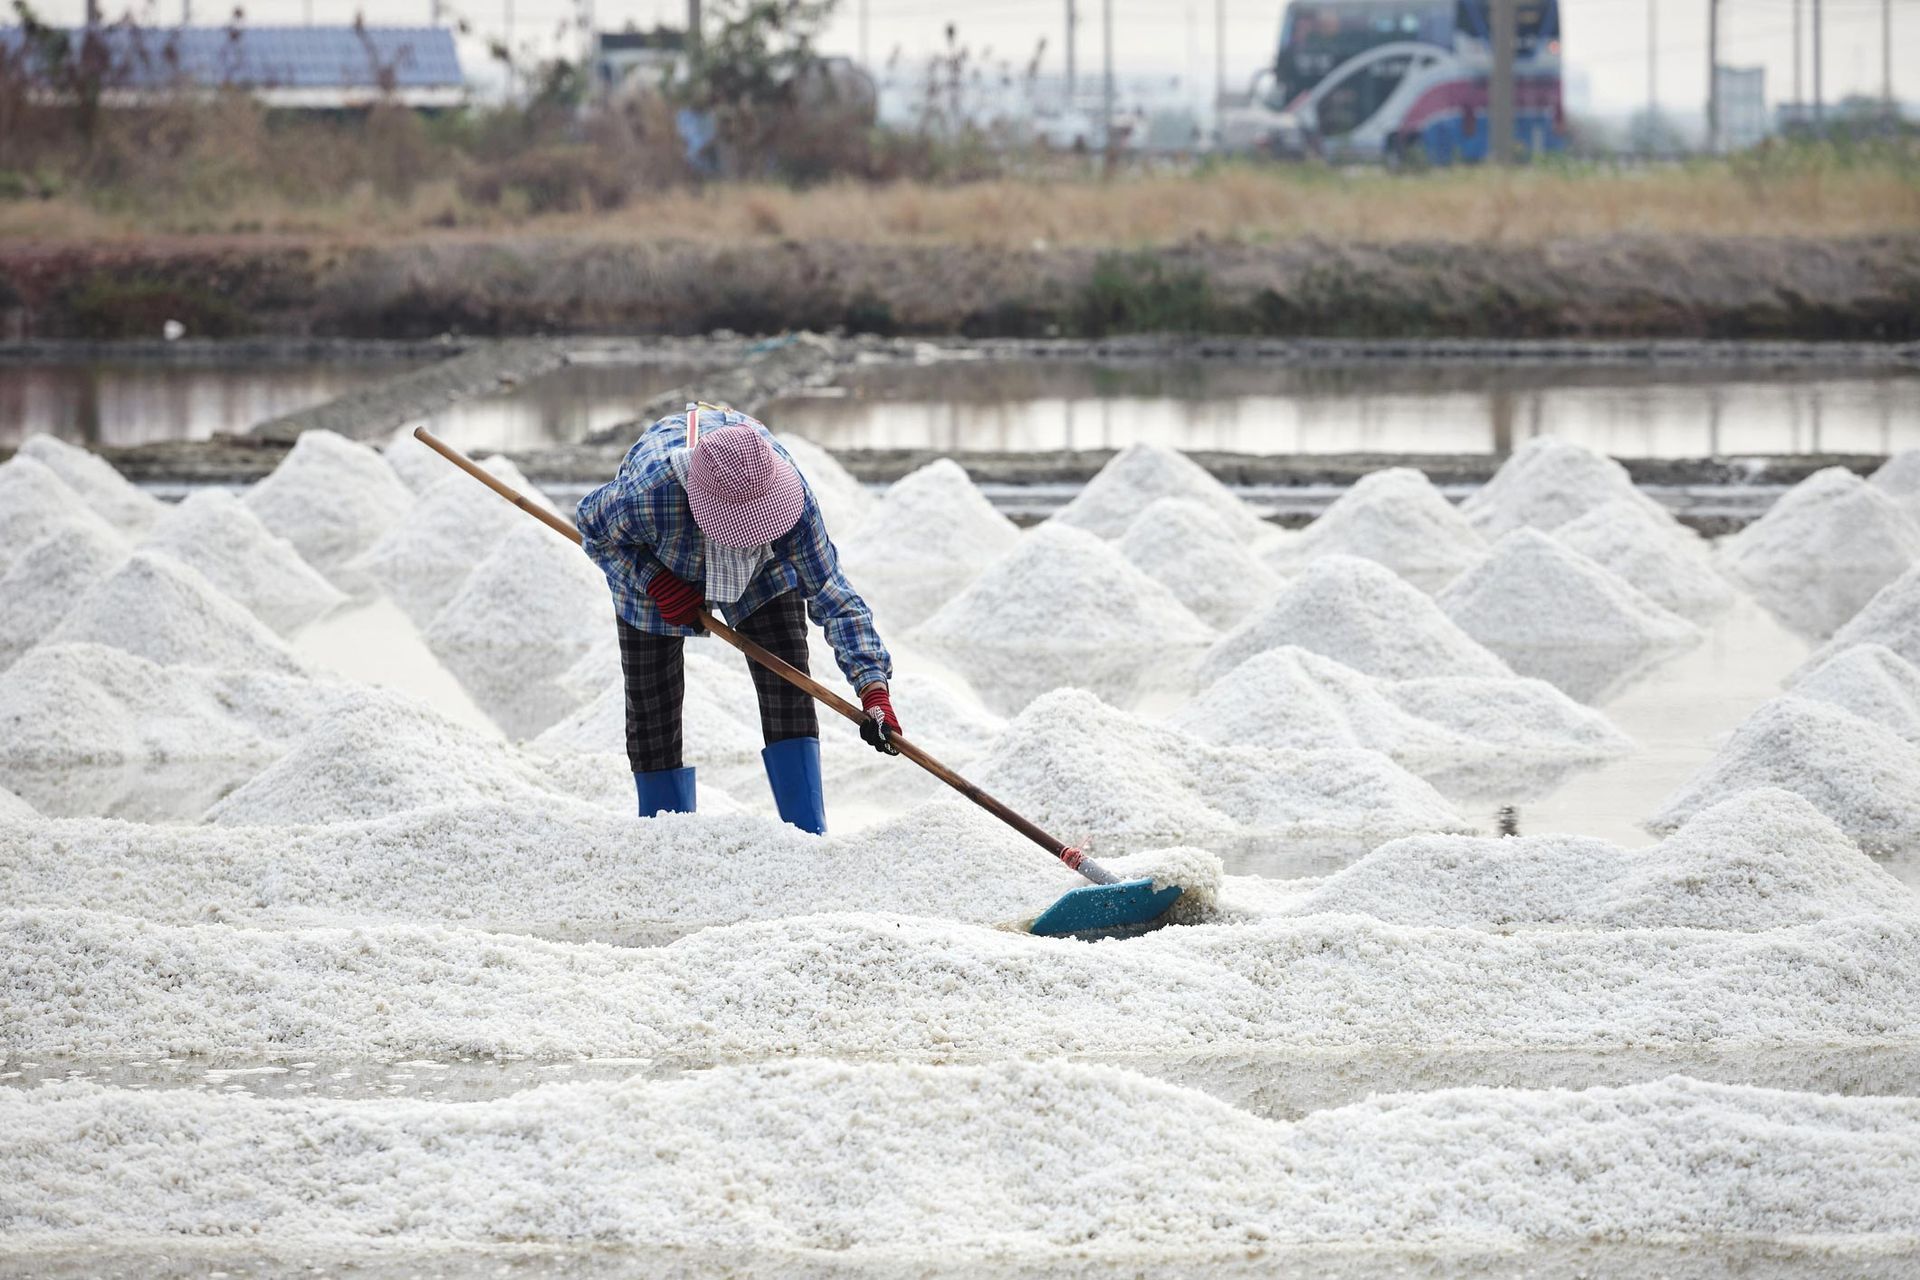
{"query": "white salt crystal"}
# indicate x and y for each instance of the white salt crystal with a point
(1397, 518)
(1086, 771)
(1360, 613)
(1873, 682)
(419, 467)
(1194, 553)
(382, 755)
(1762, 859)
(423, 560)
(1862, 775)
(1669, 564)
(332, 499)
(1557, 615)
(215, 533)
(14, 809)
(526, 614)
(35, 502)
(845, 504)
(1891, 618)
(120, 503)
(1004, 1167)
(931, 535)
(1139, 475)
(1548, 482)
(1064, 608)
(1823, 550)
(157, 608)
(40, 587)
(1472, 735)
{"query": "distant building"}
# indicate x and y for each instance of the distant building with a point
(637, 58)
(1742, 93)
(287, 68)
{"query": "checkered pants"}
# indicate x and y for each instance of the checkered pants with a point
(656, 678)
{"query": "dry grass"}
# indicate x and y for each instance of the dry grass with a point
(1805, 197)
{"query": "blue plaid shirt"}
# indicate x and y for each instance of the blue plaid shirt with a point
(640, 524)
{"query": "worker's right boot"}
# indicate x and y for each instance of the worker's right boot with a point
(665, 791)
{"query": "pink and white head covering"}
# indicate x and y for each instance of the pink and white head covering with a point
(742, 493)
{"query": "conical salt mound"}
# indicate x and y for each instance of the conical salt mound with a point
(1873, 682)
(1548, 482)
(113, 498)
(46, 579)
(526, 614)
(931, 535)
(1087, 771)
(422, 561)
(332, 499)
(14, 809)
(1823, 550)
(1142, 473)
(1891, 618)
(1395, 518)
(1669, 565)
(1362, 614)
(418, 467)
(1467, 735)
(845, 503)
(1899, 478)
(1552, 613)
(214, 532)
(1187, 548)
(34, 502)
(159, 609)
(384, 756)
(1862, 775)
(1764, 859)
(1065, 609)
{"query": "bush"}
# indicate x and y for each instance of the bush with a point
(559, 179)
(1142, 293)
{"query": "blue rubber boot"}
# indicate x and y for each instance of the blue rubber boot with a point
(793, 771)
(665, 791)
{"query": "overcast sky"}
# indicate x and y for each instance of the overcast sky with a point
(1606, 40)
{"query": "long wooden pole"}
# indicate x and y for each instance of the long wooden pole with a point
(792, 675)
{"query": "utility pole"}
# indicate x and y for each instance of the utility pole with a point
(1219, 58)
(1653, 74)
(693, 26)
(865, 61)
(1886, 53)
(1073, 30)
(1713, 77)
(1500, 105)
(1106, 85)
(1819, 88)
(1798, 91)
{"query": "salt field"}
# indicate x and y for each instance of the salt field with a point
(1548, 887)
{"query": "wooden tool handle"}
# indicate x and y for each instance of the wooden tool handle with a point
(792, 675)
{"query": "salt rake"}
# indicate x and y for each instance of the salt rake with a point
(1107, 903)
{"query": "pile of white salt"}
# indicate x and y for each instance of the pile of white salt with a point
(332, 499)
(215, 533)
(1891, 618)
(109, 494)
(1548, 482)
(1873, 682)
(1360, 613)
(44, 580)
(1065, 609)
(1396, 518)
(1823, 550)
(157, 608)
(1468, 735)
(423, 560)
(526, 614)
(14, 809)
(1189, 549)
(1860, 773)
(1552, 613)
(1899, 478)
(34, 503)
(1140, 475)
(931, 535)
(1667, 563)
(1089, 772)
(845, 504)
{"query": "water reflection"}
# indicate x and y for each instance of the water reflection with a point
(1635, 412)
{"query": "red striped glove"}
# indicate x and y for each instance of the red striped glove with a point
(678, 603)
(881, 724)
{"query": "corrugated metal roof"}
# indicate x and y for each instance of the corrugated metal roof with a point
(275, 57)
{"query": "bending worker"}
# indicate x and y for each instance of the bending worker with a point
(708, 507)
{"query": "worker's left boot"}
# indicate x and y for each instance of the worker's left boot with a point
(793, 771)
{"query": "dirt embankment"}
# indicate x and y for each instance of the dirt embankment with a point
(1864, 288)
